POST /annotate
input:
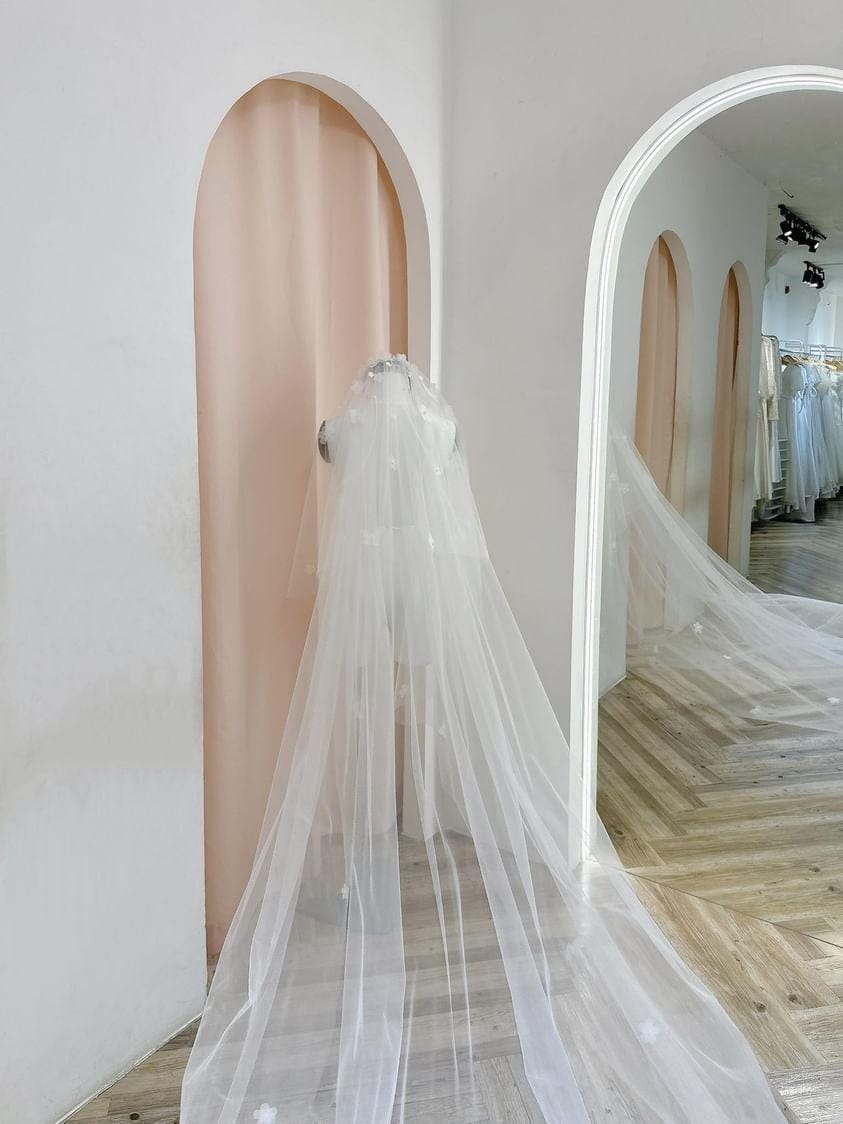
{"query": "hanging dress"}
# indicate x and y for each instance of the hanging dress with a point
(826, 470)
(767, 458)
(796, 431)
(831, 429)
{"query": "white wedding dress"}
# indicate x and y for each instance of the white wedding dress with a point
(414, 934)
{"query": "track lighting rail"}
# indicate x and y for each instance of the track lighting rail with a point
(796, 229)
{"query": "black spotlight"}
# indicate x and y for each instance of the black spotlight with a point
(814, 276)
(795, 229)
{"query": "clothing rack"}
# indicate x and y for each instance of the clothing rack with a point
(811, 351)
(812, 400)
(765, 510)
(793, 347)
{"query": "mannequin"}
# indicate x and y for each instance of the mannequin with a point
(328, 431)
(410, 813)
(370, 958)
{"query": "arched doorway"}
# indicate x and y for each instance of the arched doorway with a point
(623, 190)
(671, 756)
(658, 367)
(301, 275)
(725, 452)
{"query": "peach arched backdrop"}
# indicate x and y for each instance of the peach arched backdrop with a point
(655, 413)
(725, 417)
(301, 275)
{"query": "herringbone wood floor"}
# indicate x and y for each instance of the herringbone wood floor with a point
(735, 836)
(735, 844)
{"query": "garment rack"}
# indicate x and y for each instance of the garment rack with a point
(812, 351)
(794, 347)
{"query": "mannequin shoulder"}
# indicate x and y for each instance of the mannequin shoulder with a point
(327, 437)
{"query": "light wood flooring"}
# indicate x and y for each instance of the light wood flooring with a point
(734, 842)
(734, 833)
(801, 558)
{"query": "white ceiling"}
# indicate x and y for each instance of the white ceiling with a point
(792, 143)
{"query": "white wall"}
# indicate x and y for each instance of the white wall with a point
(107, 112)
(789, 306)
(823, 327)
(794, 311)
(719, 214)
(548, 98)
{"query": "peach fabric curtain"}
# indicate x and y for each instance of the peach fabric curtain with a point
(723, 442)
(300, 277)
(657, 364)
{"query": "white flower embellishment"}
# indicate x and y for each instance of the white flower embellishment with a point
(431, 542)
(344, 892)
(756, 710)
(649, 1032)
(266, 1114)
(697, 627)
(833, 699)
(423, 410)
(624, 488)
(393, 462)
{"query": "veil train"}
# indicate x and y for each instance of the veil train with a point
(413, 932)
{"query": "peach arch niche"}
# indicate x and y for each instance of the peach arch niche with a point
(732, 402)
(663, 389)
(308, 259)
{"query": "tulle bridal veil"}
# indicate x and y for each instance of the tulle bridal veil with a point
(756, 656)
(413, 925)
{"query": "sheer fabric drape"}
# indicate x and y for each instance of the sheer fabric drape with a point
(300, 269)
(761, 659)
(385, 968)
(655, 412)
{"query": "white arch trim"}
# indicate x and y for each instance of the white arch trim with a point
(618, 199)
